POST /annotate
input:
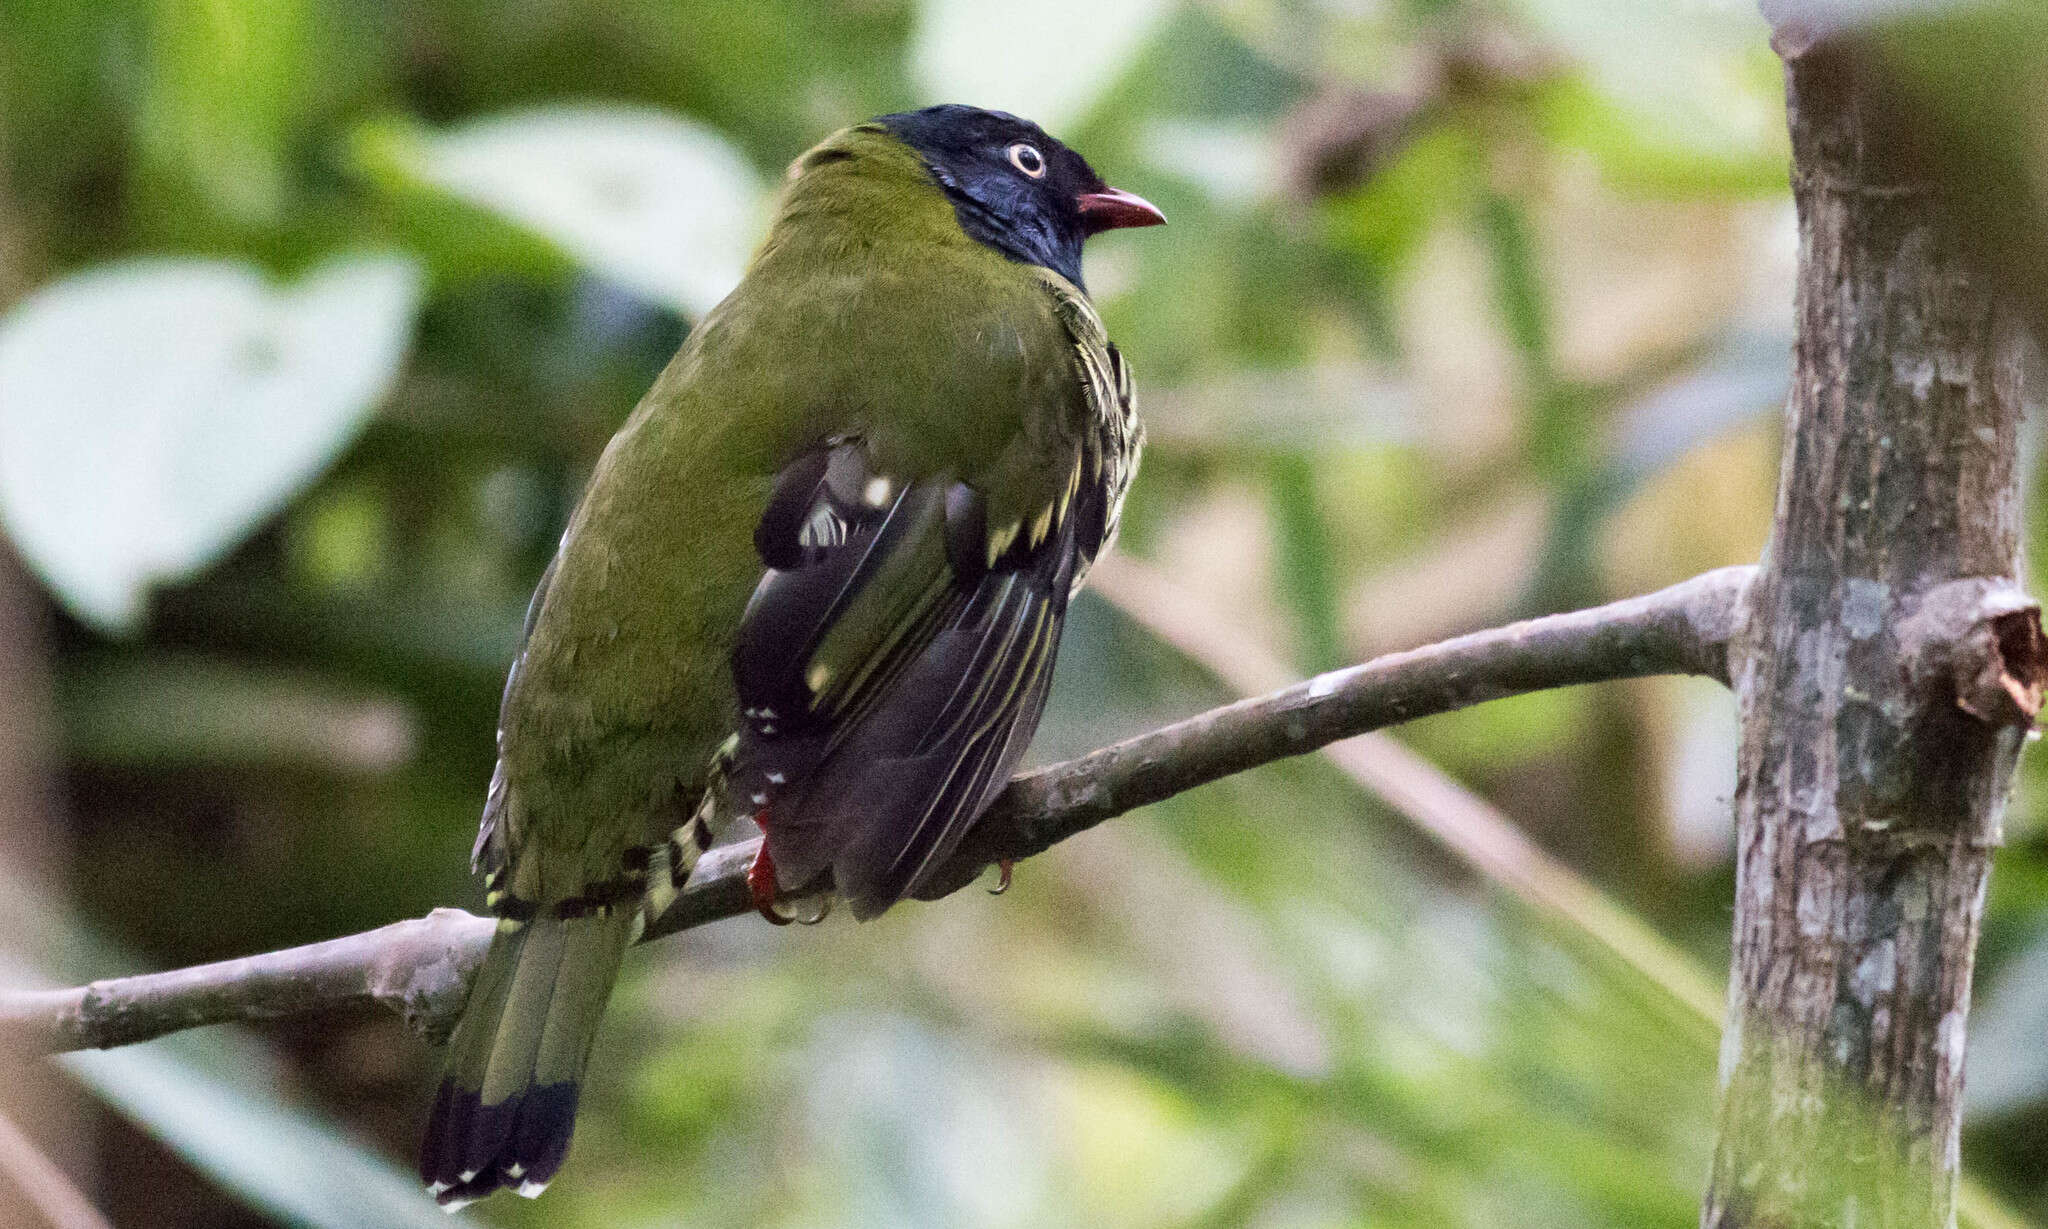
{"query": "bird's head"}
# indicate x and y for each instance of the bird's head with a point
(1014, 187)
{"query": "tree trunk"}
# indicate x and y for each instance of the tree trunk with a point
(1886, 674)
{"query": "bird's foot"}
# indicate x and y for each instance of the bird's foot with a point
(1006, 866)
(765, 887)
(762, 883)
(819, 905)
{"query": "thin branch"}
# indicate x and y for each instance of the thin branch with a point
(421, 968)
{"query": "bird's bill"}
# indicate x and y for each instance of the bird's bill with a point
(1114, 208)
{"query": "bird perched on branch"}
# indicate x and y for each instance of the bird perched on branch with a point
(817, 579)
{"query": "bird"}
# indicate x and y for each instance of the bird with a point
(816, 580)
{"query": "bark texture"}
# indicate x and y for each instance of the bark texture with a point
(1888, 670)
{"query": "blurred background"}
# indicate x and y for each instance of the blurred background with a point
(317, 312)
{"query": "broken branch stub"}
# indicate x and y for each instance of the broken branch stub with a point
(1976, 643)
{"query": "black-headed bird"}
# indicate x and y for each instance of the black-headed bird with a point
(817, 579)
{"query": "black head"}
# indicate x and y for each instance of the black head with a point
(1015, 188)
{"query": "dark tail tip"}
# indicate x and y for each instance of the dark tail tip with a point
(472, 1149)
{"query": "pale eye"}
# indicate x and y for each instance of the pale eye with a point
(1026, 158)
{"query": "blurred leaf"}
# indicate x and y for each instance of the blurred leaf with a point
(1520, 288)
(1742, 377)
(152, 413)
(660, 206)
(1305, 563)
(225, 80)
(1334, 408)
(214, 1097)
(196, 1094)
(458, 241)
(1048, 61)
(1196, 68)
(1235, 163)
(916, 1144)
(62, 126)
(1386, 219)
(163, 711)
(1737, 380)
(1973, 114)
(2008, 1065)
(1643, 156)
(1693, 82)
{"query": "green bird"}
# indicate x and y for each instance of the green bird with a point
(817, 579)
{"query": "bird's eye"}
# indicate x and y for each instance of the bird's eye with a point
(1026, 158)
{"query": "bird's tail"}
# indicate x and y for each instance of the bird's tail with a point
(507, 1104)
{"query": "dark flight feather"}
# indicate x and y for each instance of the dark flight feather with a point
(873, 755)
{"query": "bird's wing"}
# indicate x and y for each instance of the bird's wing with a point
(1113, 436)
(895, 659)
(891, 667)
(494, 834)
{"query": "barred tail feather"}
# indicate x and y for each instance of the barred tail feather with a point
(507, 1106)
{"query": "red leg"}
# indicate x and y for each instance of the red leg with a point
(761, 880)
(1005, 865)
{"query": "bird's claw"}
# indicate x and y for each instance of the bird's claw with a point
(764, 887)
(1005, 865)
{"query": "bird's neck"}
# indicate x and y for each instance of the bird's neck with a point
(858, 192)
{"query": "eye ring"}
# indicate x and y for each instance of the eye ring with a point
(1026, 158)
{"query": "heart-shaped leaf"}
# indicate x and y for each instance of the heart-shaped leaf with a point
(153, 413)
(660, 206)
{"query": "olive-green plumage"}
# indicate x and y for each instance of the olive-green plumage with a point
(871, 327)
(867, 313)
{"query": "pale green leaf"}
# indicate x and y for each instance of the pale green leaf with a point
(1683, 95)
(154, 412)
(659, 206)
